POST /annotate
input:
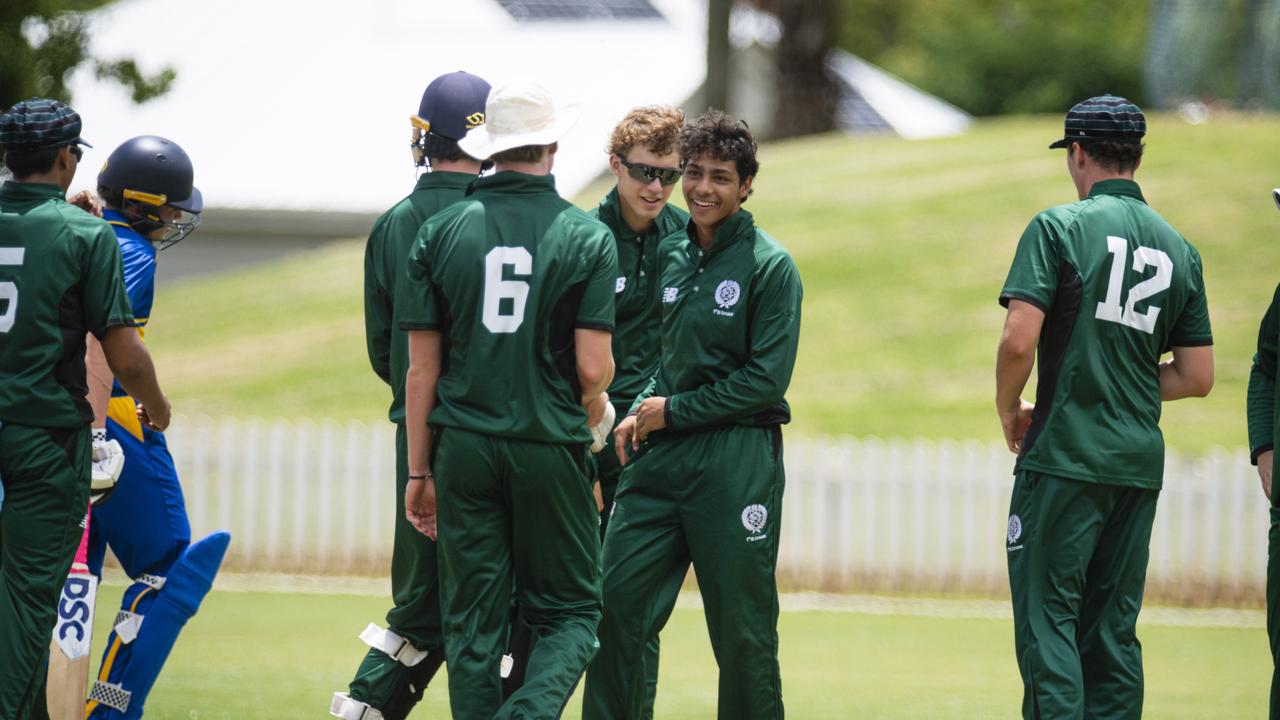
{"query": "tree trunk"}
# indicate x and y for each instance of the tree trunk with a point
(806, 95)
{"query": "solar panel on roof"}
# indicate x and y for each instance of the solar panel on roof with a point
(534, 10)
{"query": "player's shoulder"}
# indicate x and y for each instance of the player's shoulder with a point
(771, 256)
(1060, 218)
(577, 221)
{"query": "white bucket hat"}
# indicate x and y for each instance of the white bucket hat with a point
(518, 113)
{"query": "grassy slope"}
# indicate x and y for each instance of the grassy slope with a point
(259, 655)
(902, 246)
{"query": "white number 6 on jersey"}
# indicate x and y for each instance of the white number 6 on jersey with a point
(496, 289)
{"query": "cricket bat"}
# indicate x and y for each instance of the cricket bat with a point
(68, 680)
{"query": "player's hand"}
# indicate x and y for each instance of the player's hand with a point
(599, 493)
(88, 202)
(650, 417)
(155, 419)
(624, 438)
(1264, 471)
(106, 464)
(1016, 423)
(420, 505)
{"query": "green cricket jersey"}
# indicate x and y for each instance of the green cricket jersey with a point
(730, 329)
(1264, 424)
(637, 333)
(1119, 287)
(506, 276)
(60, 277)
(384, 259)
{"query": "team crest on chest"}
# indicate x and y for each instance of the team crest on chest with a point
(727, 294)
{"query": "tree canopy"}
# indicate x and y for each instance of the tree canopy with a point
(42, 42)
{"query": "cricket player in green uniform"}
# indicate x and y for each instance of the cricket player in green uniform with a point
(644, 157)
(405, 656)
(510, 314)
(1264, 431)
(706, 487)
(1099, 289)
(60, 277)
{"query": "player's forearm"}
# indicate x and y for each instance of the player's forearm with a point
(593, 358)
(1188, 374)
(420, 397)
(1013, 369)
(99, 379)
(131, 365)
(420, 393)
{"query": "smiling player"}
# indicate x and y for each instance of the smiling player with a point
(707, 486)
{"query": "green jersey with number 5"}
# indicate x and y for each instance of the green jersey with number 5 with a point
(60, 277)
(1119, 287)
(506, 276)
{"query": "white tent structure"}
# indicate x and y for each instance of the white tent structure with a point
(305, 106)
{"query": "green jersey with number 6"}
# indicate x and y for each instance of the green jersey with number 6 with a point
(1119, 287)
(506, 276)
(60, 277)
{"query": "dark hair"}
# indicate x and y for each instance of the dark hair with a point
(111, 197)
(723, 137)
(436, 147)
(522, 154)
(1114, 156)
(24, 163)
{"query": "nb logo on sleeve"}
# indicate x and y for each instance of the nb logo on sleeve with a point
(669, 294)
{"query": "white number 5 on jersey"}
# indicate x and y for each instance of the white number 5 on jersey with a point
(1110, 309)
(496, 289)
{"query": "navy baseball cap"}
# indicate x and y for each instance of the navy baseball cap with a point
(1106, 117)
(453, 104)
(39, 123)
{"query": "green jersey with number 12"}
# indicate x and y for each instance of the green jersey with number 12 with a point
(506, 276)
(1119, 287)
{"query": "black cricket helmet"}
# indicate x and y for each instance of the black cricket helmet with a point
(451, 105)
(148, 173)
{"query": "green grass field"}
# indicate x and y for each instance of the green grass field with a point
(281, 655)
(902, 247)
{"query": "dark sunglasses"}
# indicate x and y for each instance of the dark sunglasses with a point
(647, 173)
(77, 151)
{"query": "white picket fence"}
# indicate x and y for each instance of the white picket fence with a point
(858, 514)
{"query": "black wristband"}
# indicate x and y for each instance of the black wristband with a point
(420, 477)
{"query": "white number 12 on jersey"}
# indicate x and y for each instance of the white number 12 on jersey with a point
(1110, 309)
(496, 289)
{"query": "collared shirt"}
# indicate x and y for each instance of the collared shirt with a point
(385, 256)
(60, 277)
(637, 334)
(730, 328)
(1119, 287)
(506, 276)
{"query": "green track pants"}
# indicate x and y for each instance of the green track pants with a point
(46, 490)
(1077, 567)
(713, 499)
(608, 472)
(513, 510)
(385, 683)
(1273, 604)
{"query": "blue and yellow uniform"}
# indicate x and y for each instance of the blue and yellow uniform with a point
(145, 523)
